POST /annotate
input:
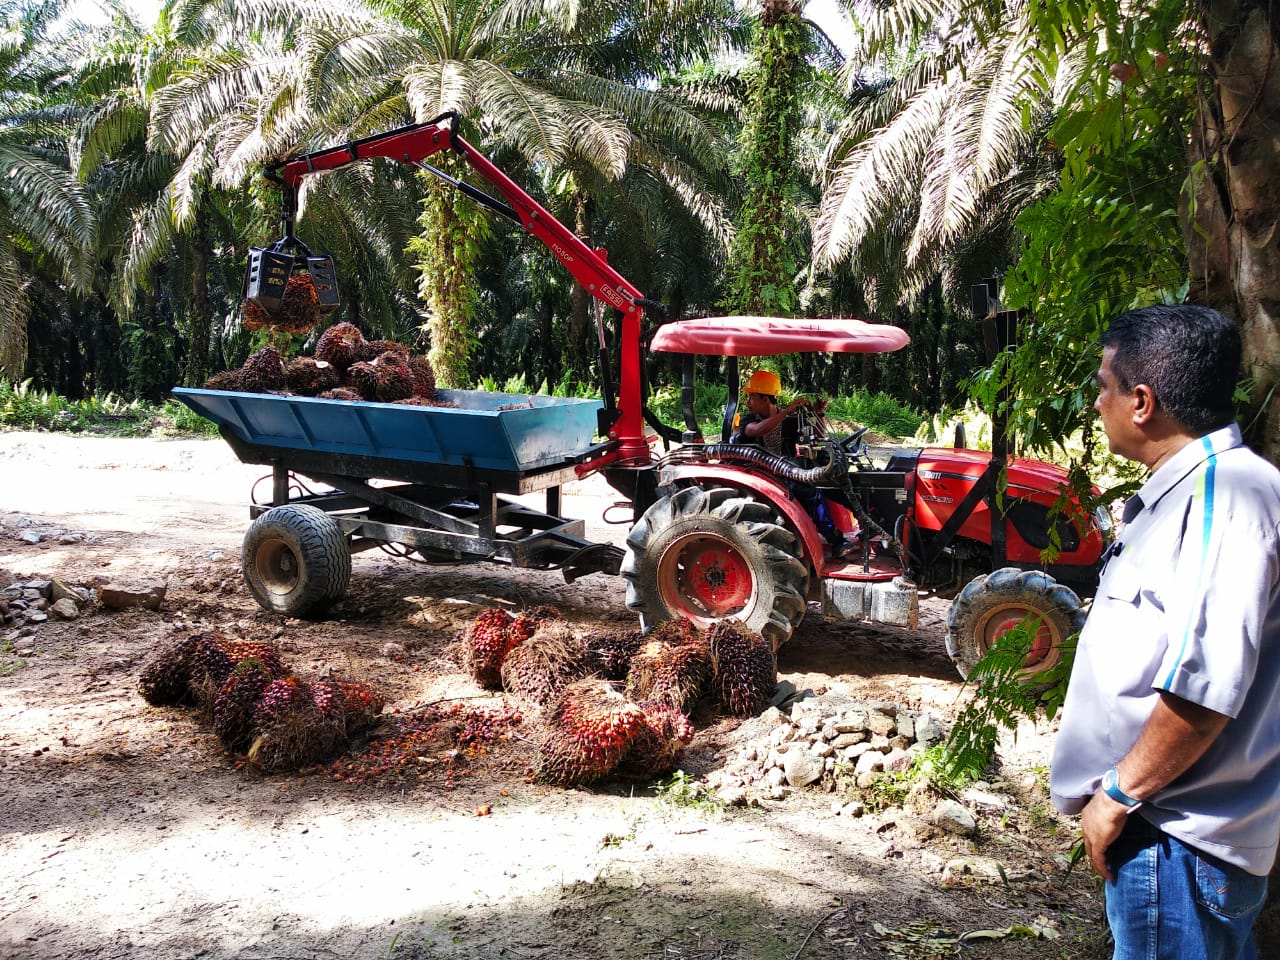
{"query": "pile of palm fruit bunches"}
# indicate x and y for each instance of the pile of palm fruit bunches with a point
(257, 705)
(345, 366)
(613, 702)
(617, 702)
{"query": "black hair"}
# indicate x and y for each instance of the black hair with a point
(1189, 356)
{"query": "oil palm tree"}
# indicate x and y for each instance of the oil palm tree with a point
(555, 84)
(936, 155)
(46, 223)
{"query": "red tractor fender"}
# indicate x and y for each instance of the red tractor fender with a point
(767, 488)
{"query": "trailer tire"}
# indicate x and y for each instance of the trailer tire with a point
(713, 554)
(296, 560)
(991, 604)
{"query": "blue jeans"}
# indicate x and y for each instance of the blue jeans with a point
(1171, 902)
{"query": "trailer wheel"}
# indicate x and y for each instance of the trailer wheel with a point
(712, 555)
(992, 604)
(295, 560)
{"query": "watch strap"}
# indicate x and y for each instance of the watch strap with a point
(1111, 787)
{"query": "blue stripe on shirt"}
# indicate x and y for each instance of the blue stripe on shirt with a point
(1206, 494)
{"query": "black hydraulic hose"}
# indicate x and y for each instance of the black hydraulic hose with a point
(779, 466)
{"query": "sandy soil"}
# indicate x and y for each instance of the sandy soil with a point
(126, 832)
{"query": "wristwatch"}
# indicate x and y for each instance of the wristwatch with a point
(1111, 787)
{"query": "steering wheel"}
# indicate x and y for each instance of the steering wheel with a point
(850, 442)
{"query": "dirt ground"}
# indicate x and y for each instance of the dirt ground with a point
(127, 833)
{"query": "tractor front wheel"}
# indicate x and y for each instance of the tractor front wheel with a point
(296, 560)
(716, 554)
(991, 605)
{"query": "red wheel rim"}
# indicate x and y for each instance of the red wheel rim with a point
(1003, 619)
(705, 578)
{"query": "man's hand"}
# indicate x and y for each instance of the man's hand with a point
(1101, 820)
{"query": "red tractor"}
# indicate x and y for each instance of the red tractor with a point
(726, 535)
(718, 530)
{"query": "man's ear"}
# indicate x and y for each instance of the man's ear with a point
(1144, 404)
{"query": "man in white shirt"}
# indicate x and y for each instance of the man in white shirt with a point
(1170, 739)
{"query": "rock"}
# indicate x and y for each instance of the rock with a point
(880, 725)
(869, 762)
(927, 731)
(843, 740)
(69, 538)
(65, 609)
(906, 726)
(61, 591)
(733, 796)
(42, 587)
(955, 818)
(801, 768)
(785, 691)
(120, 595)
(855, 808)
(852, 721)
(897, 761)
(981, 869)
(29, 536)
(983, 799)
(12, 592)
(775, 777)
(24, 644)
(36, 616)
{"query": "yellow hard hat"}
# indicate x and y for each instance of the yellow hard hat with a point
(762, 381)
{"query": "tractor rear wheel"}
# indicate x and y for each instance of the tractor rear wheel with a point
(296, 560)
(716, 554)
(991, 605)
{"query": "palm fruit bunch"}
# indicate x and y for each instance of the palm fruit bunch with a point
(290, 731)
(744, 675)
(614, 650)
(541, 667)
(424, 377)
(309, 377)
(657, 747)
(372, 349)
(356, 704)
(232, 380)
(216, 657)
(386, 378)
(339, 345)
(237, 702)
(671, 673)
(527, 621)
(589, 731)
(166, 680)
(299, 309)
(263, 371)
(487, 644)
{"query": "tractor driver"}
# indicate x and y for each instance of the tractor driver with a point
(775, 429)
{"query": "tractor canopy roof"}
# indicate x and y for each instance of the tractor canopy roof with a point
(769, 336)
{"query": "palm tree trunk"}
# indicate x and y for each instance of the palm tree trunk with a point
(200, 311)
(448, 262)
(1231, 228)
(583, 340)
(762, 278)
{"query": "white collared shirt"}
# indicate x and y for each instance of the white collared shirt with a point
(1189, 604)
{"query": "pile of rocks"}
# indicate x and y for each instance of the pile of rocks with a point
(810, 740)
(26, 530)
(24, 604)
